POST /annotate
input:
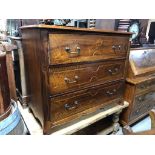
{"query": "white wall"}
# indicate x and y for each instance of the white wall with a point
(3, 25)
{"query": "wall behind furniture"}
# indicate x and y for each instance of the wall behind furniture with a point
(106, 24)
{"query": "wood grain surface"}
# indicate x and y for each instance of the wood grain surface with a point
(140, 85)
(71, 71)
(71, 48)
(71, 78)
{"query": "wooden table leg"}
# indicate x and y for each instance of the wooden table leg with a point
(115, 120)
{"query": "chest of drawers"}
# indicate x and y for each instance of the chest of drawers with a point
(140, 85)
(73, 72)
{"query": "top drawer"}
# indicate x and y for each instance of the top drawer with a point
(71, 48)
(146, 85)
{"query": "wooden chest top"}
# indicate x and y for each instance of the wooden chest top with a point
(68, 45)
(53, 27)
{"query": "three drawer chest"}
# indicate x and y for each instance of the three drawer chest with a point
(72, 72)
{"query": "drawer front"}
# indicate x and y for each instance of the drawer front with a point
(64, 79)
(137, 113)
(71, 48)
(150, 84)
(73, 103)
(143, 104)
(145, 99)
(140, 111)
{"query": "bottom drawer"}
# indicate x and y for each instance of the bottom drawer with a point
(77, 102)
(143, 104)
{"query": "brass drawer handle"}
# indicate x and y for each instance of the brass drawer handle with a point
(148, 106)
(143, 86)
(141, 99)
(113, 72)
(112, 92)
(71, 106)
(67, 80)
(137, 111)
(116, 48)
(71, 53)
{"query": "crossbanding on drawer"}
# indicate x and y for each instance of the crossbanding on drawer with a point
(65, 79)
(72, 103)
(72, 48)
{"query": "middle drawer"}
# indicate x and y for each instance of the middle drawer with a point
(66, 79)
(144, 99)
(145, 86)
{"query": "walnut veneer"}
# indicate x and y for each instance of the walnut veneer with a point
(72, 72)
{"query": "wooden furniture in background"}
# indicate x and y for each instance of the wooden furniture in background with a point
(22, 85)
(4, 85)
(7, 48)
(122, 24)
(128, 131)
(140, 85)
(73, 72)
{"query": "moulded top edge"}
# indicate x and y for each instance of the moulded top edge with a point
(54, 27)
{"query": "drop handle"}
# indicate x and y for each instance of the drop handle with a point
(140, 99)
(143, 86)
(70, 81)
(75, 53)
(71, 106)
(78, 49)
(111, 92)
(113, 47)
(113, 72)
(116, 47)
(119, 47)
(149, 106)
(67, 49)
(137, 111)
